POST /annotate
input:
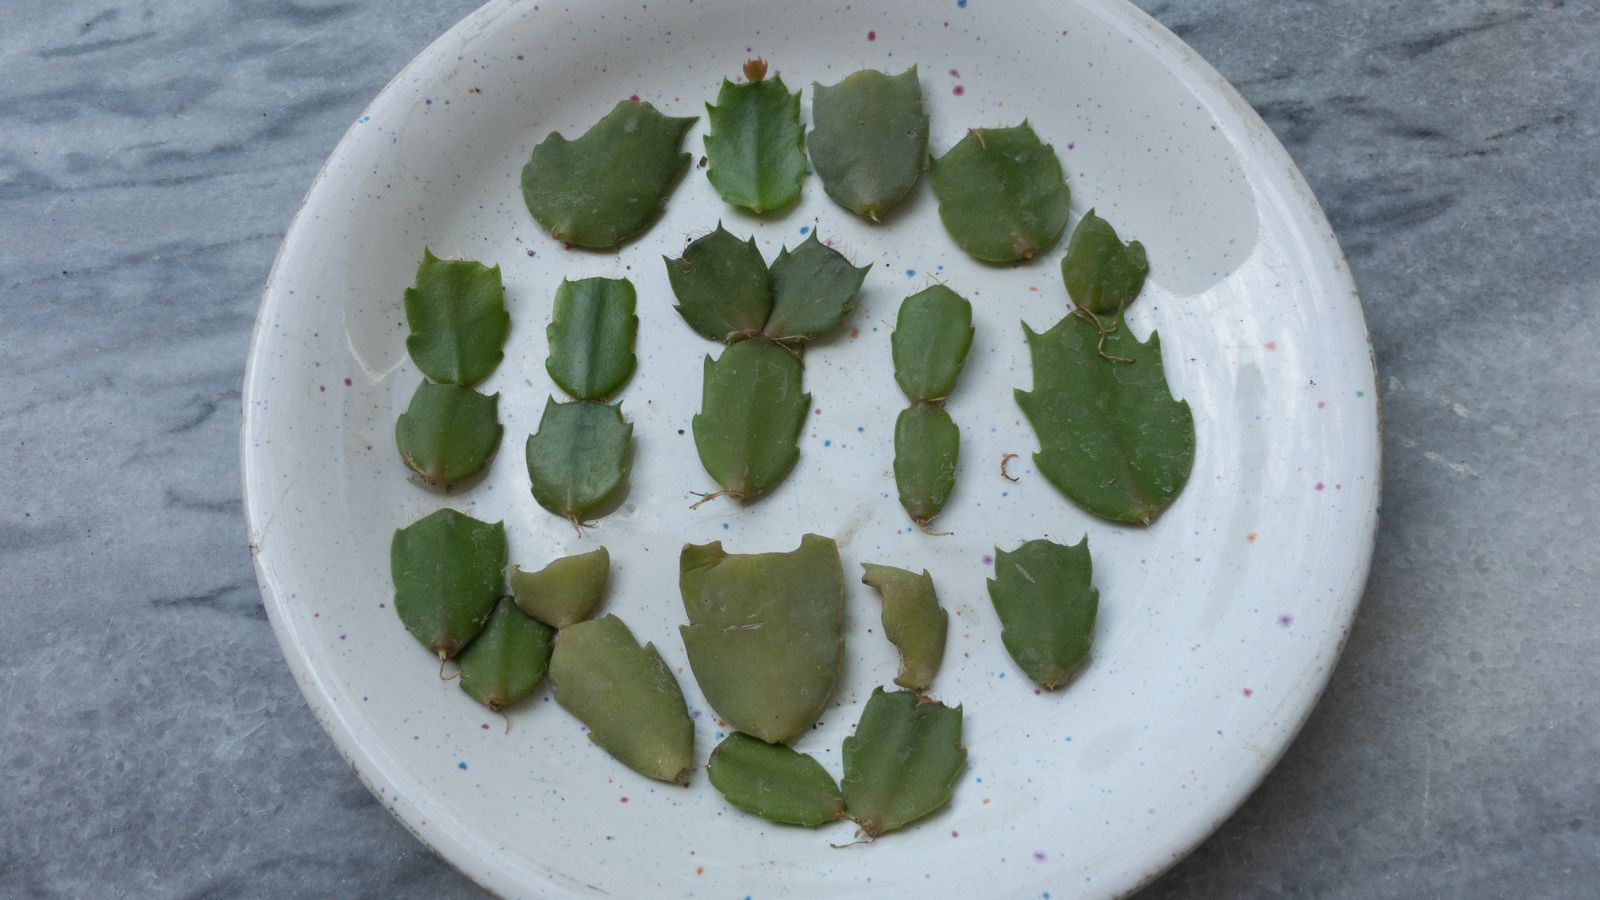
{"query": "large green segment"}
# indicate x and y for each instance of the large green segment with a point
(578, 459)
(751, 411)
(448, 571)
(813, 288)
(722, 286)
(591, 334)
(869, 143)
(448, 433)
(756, 146)
(457, 314)
(508, 659)
(932, 335)
(1002, 194)
(927, 445)
(775, 782)
(1047, 603)
(902, 762)
(1102, 274)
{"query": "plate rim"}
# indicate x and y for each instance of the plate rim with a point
(476, 864)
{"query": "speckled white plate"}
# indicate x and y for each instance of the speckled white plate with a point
(1218, 626)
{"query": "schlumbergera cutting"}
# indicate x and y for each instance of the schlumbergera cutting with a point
(752, 403)
(578, 459)
(869, 139)
(930, 342)
(1047, 603)
(756, 148)
(1111, 436)
(1002, 194)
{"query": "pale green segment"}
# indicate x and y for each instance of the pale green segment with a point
(1001, 193)
(578, 459)
(448, 432)
(1111, 436)
(751, 413)
(626, 695)
(591, 333)
(813, 288)
(1102, 274)
(903, 761)
(869, 140)
(508, 659)
(610, 184)
(912, 621)
(457, 313)
(448, 571)
(566, 591)
(756, 147)
(722, 286)
(927, 444)
(766, 633)
(932, 335)
(1044, 595)
(775, 782)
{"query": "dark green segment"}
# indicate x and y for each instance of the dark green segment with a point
(1044, 595)
(448, 571)
(565, 592)
(775, 782)
(912, 621)
(508, 659)
(626, 695)
(458, 319)
(903, 761)
(448, 433)
(869, 143)
(578, 460)
(1111, 436)
(813, 289)
(610, 184)
(591, 334)
(751, 413)
(756, 147)
(932, 335)
(1102, 274)
(1001, 193)
(722, 286)
(927, 444)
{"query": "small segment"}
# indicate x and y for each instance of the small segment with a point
(448, 571)
(869, 141)
(1046, 600)
(912, 621)
(775, 782)
(458, 319)
(1002, 194)
(508, 659)
(591, 334)
(566, 591)
(903, 761)
(932, 335)
(927, 445)
(1102, 274)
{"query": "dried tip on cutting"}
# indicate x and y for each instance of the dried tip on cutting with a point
(755, 69)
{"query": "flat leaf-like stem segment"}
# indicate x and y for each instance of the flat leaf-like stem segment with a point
(457, 313)
(1001, 193)
(1046, 600)
(869, 140)
(932, 335)
(578, 459)
(751, 412)
(448, 571)
(1111, 436)
(610, 184)
(591, 334)
(813, 289)
(448, 433)
(1102, 274)
(756, 146)
(565, 592)
(766, 633)
(912, 621)
(775, 782)
(903, 761)
(626, 695)
(721, 286)
(508, 659)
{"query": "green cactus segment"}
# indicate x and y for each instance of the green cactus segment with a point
(1102, 274)
(610, 184)
(457, 313)
(448, 571)
(927, 444)
(869, 141)
(448, 433)
(626, 695)
(813, 289)
(775, 782)
(751, 413)
(1111, 436)
(1046, 601)
(591, 333)
(508, 659)
(722, 286)
(565, 592)
(578, 459)
(903, 761)
(912, 621)
(756, 147)
(932, 335)
(766, 633)
(1001, 193)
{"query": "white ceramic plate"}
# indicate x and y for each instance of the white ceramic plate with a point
(1218, 625)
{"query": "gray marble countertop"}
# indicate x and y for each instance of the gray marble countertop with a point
(152, 153)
